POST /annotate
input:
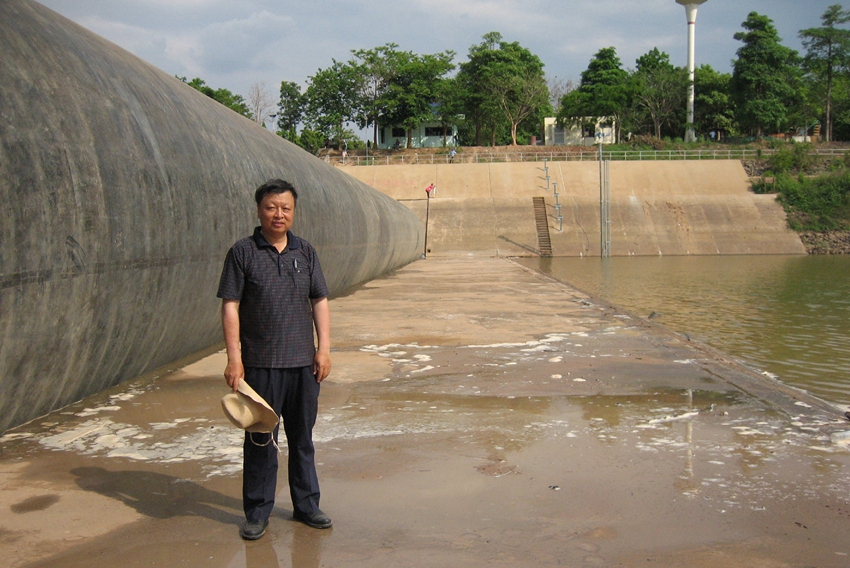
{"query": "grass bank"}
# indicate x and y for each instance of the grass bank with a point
(815, 195)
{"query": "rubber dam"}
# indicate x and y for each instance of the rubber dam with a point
(124, 188)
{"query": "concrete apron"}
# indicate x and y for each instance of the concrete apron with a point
(478, 414)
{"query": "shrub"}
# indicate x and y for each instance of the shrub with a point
(816, 204)
(643, 142)
(781, 161)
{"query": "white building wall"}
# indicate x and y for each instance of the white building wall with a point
(553, 135)
(426, 135)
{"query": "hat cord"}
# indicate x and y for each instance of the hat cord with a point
(271, 439)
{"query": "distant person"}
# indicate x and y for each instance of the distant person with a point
(452, 154)
(431, 189)
(273, 294)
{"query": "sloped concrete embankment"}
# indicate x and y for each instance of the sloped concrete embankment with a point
(657, 208)
(123, 189)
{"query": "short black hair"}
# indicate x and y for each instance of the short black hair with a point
(275, 186)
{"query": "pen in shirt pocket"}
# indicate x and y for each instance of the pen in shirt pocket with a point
(295, 264)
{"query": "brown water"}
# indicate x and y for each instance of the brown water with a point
(787, 315)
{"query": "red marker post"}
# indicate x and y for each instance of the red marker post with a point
(428, 191)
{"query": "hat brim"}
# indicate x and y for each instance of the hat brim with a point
(246, 401)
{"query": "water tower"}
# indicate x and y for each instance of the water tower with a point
(691, 12)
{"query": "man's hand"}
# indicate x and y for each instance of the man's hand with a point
(233, 373)
(322, 322)
(321, 365)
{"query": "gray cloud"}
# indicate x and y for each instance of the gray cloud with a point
(233, 44)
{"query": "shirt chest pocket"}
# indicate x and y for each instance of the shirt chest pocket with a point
(301, 280)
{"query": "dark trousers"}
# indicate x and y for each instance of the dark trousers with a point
(294, 395)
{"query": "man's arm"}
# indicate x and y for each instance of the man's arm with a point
(322, 321)
(234, 372)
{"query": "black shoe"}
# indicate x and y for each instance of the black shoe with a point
(252, 530)
(317, 520)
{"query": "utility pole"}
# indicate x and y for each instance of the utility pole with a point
(691, 13)
(604, 203)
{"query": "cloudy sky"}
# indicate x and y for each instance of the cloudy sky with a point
(234, 44)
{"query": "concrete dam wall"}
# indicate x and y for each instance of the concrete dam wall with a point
(656, 208)
(123, 188)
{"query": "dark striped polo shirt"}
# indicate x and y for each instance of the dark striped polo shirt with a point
(274, 292)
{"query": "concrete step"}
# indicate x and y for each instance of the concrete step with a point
(544, 243)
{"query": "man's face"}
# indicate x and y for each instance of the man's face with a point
(276, 212)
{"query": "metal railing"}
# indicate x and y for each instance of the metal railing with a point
(591, 154)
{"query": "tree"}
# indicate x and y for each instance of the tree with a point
(481, 110)
(505, 84)
(260, 103)
(828, 50)
(311, 140)
(514, 77)
(331, 99)
(379, 68)
(449, 97)
(765, 77)
(290, 110)
(604, 91)
(841, 108)
(232, 101)
(713, 108)
(659, 89)
(412, 96)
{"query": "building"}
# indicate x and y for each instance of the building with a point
(426, 135)
(592, 131)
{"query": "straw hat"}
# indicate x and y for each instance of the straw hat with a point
(248, 410)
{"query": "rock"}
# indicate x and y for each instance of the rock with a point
(830, 242)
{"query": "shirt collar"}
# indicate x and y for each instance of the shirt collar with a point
(261, 241)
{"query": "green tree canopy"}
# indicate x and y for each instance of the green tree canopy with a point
(413, 95)
(765, 77)
(505, 82)
(481, 110)
(332, 100)
(713, 107)
(379, 69)
(232, 101)
(449, 107)
(827, 54)
(290, 109)
(658, 90)
(604, 90)
(841, 108)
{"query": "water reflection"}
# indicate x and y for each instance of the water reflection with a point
(788, 315)
(305, 550)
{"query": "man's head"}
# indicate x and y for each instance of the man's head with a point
(275, 207)
(275, 186)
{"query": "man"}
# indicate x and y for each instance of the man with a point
(273, 294)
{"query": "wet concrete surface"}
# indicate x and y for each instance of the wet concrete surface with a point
(478, 414)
